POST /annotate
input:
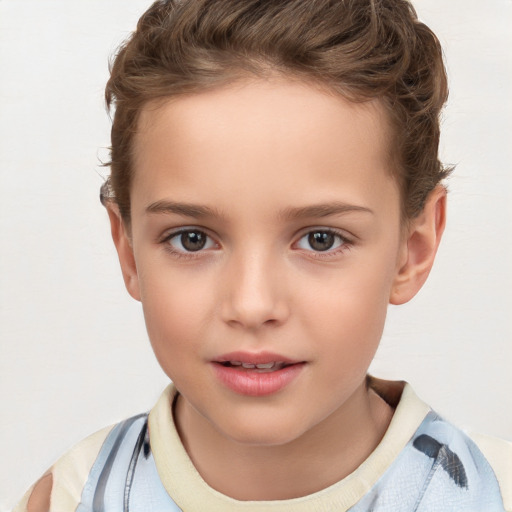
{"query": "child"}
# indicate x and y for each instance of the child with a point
(274, 185)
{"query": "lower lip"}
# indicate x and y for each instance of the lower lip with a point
(253, 383)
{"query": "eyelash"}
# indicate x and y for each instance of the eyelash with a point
(345, 243)
(183, 254)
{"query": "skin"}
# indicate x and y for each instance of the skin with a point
(252, 153)
(39, 500)
(255, 155)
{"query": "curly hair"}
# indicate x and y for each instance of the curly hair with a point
(360, 49)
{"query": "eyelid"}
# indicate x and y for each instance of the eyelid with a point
(343, 234)
(347, 241)
(173, 233)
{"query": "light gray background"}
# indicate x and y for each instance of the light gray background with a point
(74, 353)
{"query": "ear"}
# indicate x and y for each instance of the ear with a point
(419, 248)
(122, 241)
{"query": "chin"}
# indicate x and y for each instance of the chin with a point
(262, 432)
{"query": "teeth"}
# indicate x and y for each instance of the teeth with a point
(266, 365)
(273, 365)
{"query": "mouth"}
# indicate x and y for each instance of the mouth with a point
(272, 366)
(257, 374)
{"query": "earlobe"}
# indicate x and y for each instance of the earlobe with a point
(123, 244)
(419, 248)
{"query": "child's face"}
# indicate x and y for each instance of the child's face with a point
(265, 228)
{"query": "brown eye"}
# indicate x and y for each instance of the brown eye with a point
(191, 240)
(321, 240)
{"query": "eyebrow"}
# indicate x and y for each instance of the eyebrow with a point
(184, 209)
(322, 210)
(312, 211)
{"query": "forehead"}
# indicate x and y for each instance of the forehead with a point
(273, 135)
(254, 105)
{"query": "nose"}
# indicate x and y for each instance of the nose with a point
(254, 291)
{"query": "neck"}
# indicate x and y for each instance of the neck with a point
(321, 457)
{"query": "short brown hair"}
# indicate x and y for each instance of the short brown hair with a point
(361, 49)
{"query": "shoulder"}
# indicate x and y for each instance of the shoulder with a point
(71, 471)
(39, 499)
(60, 488)
(498, 453)
(478, 462)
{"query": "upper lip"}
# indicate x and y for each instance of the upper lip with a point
(255, 358)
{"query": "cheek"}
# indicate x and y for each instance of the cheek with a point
(167, 292)
(350, 310)
(177, 310)
(349, 329)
